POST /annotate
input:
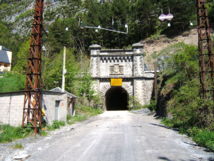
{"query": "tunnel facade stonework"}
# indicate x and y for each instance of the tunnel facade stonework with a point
(128, 65)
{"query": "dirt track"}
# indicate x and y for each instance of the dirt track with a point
(114, 136)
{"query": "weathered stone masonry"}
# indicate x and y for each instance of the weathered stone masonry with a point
(126, 64)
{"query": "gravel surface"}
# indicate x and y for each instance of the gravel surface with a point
(111, 136)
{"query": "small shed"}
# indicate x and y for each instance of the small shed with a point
(56, 104)
(71, 100)
(5, 59)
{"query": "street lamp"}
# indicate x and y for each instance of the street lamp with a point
(127, 28)
(167, 17)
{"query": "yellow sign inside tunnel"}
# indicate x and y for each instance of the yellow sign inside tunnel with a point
(116, 81)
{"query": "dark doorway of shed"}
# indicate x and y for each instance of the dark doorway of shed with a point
(116, 99)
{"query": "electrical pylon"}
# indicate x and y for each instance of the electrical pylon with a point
(32, 114)
(206, 56)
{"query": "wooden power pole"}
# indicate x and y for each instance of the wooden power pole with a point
(33, 92)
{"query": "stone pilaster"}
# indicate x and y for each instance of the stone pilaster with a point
(138, 62)
(95, 60)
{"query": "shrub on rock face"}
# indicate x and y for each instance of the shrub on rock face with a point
(179, 91)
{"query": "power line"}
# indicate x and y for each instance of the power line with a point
(106, 29)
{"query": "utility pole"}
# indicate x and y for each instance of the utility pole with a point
(206, 56)
(63, 66)
(32, 115)
(63, 69)
(156, 82)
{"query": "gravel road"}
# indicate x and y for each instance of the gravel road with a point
(111, 136)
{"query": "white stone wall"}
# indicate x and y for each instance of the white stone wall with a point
(9, 53)
(147, 88)
(143, 90)
(49, 101)
(104, 67)
(93, 67)
(138, 66)
(103, 87)
(137, 82)
(11, 110)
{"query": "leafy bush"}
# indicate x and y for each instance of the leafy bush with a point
(85, 89)
(56, 125)
(179, 96)
(9, 133)
(76, 118)
(134, 103)
(203, 137)
(18, 146)
(151, 106)
(82, 113)
(53, 70)
(90, 111)
(10, 82)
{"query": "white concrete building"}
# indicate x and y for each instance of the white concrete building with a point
(125, 67)
(5, 59)
(57, 106)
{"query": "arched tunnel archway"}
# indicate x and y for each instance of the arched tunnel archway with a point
(116, 98)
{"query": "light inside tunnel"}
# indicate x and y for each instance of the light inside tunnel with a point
(116, 99)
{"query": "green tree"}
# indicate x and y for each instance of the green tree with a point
(22, 55)
(9, 40)
(85, 88)
(183, 11)
(144, 19)
(211, 12)
(53, 70)
(11, 82)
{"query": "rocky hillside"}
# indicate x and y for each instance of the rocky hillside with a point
(154, 46)
(19, 13)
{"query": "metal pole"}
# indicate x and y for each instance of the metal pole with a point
(64, 69)
(32, 115)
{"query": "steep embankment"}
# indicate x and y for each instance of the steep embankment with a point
(153, 46)
(179, 87)
(162, 42)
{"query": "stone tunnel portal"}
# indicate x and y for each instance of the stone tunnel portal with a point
(116, 98)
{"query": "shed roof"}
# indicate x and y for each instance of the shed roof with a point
(58, 89)
(3, 48)
(53, 91)
(4, 57)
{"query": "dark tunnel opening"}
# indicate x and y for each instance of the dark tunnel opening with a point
(116, 99)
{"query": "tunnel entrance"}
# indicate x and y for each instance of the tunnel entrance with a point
(116, 99)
